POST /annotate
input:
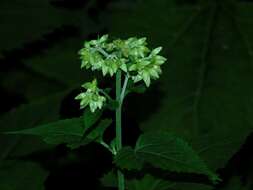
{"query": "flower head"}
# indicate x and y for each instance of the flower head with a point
(91, 97)
(132, 56)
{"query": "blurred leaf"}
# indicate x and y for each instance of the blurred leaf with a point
(191, 186)
(20, 175)
(112, 104)
(109, 179)
(31, 85)
(149, 182)
(235, 184)
(166, 152)
(32, 19)
(54, 68)
(206, 83)
(61, 63)
(27, 116)
(136, 88)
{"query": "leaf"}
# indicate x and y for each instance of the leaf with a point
(98, 131)
(137, 89)
(236, 184)
(149, 182)
(20, 175)
(109, 179)
(59, 132)
(166, 152)
(90, 118)
(30, 85)
(191, 186)
(112, 104)
(126, 158)
(61, 63)
(206, 83)
(33, 20)
(94, 134)
(27, 116)
(67, 131)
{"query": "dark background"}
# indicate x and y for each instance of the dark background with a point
(205, 94)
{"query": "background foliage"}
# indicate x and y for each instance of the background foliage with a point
(204, 95)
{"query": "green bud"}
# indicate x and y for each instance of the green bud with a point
(91, 97)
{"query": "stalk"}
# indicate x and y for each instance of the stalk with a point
(121, 179)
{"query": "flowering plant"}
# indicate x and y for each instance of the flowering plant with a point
(131, 56)
(132, 59)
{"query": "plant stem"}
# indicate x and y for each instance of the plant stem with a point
(121, 180)
(108, 147)
(122, 96)
(103, 52)
(105, 94)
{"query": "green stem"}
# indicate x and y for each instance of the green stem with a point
(103, 52)
(122, 96)
(105, 94)
(121, 179)
(108, 147)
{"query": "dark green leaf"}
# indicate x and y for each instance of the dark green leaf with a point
(60, 63)
(91, 118)
(33, 19)
(59, 132)
(206, 82)
(95, 134)
(164, 151)
(112, 104)
(20, 175)
(109, 179)
(236, 184)
(128, 159)
(149, 182)
(98, 131)
(27, 116)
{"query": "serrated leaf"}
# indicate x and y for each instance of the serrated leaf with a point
(164, 151)
(59, 132)
(207, 94)
(20, 175)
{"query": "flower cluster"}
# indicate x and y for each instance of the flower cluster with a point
(132, 56)
(91, 97)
